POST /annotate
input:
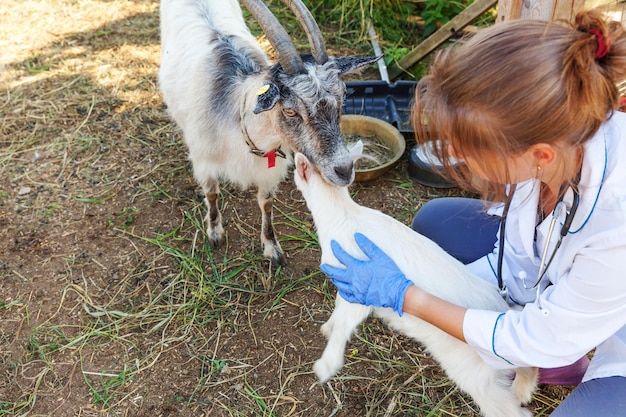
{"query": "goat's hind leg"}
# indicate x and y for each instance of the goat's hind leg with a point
(213, 219)
(525, 384)
(338, 330)
(490, 389)
(271, 247)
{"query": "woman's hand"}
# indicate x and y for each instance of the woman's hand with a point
(376, 282)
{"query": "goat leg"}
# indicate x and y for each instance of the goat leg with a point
(338, 330)
(213, 219)
(525, 383)
(489, 388)
(271, 247)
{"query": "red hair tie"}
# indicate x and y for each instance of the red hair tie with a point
(603, 44)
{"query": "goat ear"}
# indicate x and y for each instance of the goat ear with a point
(266, 97)
(302, 166)
(348, 64)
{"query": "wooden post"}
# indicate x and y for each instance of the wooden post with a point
(509, 9)
(538, 9)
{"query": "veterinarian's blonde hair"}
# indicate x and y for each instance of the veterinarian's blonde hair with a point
(519, 83)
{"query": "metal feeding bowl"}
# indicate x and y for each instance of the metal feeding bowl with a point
(392, 103)
(383, 144)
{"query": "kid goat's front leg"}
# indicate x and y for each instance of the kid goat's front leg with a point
(338, 330)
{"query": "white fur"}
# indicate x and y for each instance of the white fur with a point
(338, 217)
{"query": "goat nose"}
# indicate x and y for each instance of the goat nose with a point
(344, 172)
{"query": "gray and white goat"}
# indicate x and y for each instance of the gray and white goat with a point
(337, 217)
(241, 116)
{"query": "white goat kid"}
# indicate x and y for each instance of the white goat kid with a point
(240, 115)
(337, 217)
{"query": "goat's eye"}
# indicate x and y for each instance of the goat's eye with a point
(289, 112)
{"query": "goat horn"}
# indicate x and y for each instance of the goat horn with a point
(278, 37)
(318, 48)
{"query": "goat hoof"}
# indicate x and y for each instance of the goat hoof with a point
(327, 329)
(275, 255)
(216, 240)
(279, 259)
(326, 368)
(323, 374)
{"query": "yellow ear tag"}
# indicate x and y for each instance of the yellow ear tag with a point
(263, 89)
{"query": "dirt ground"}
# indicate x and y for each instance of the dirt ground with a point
(111, 303)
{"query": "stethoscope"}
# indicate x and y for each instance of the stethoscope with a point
(556, 213)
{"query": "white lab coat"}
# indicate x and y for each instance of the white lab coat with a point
(582, 301)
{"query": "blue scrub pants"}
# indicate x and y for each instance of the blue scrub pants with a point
(462, 227)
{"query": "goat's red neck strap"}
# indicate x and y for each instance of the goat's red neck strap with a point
(271, 158)
(270, 155)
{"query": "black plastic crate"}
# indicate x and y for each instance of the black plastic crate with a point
(377, 98)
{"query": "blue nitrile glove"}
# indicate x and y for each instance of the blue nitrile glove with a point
(377, 282)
